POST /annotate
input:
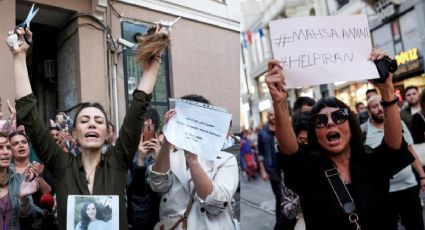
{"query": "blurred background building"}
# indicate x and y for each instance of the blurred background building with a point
(397, 26)
(76, 56)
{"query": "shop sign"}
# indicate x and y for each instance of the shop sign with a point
(386, 8)
(408, 61)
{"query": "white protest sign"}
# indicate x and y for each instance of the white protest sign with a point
(319, 50)
(198, 128)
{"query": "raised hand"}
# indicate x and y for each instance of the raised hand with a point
(276, 82)
(377, 54)
(38, 168)
(30, 183)
(22, 46)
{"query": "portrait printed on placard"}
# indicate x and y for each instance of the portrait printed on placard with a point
(93, 213)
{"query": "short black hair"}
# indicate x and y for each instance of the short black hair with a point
(303, 101)
(359, 103)
(371, 91)
(409, 88)
(112, 125)
(300, 122)
(197, 98)
(152, 114)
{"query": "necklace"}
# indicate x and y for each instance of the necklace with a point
(88, 174)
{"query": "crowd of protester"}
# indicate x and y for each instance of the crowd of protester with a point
(159, 185)
(374, 150)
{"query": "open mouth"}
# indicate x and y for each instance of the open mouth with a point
(5, 159)
(91, 135)
(333, 137)
(22, 151)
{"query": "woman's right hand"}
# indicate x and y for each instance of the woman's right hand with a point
(23, 45)
(276, 82)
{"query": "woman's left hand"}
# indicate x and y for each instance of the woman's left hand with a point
(190, 157)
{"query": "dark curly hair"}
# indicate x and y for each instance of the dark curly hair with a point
(85, 219)
(356, 140)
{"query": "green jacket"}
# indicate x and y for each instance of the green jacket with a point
(111, 172)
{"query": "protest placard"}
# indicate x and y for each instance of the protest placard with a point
(198, 128)
(95, 212)
(319, 50)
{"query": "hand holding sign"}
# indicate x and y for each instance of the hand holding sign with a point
(317, 50)
(197, 128)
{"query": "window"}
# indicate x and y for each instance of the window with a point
(133, 71)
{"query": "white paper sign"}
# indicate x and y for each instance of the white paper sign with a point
(96, 212)
(319, 50)
(198, 128)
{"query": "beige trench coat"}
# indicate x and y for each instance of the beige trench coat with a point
(176, 186)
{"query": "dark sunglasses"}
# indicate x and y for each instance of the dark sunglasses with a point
(322, 120)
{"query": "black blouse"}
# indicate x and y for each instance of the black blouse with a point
(371, 170)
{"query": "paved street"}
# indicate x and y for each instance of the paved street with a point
(257, 205)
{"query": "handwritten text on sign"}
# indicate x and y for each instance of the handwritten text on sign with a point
(318, 50)
(198, 128)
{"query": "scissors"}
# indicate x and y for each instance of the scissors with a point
(26, 23)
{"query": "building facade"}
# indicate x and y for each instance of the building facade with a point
(76, 56)
(256, 51)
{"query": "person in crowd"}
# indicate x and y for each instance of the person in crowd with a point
(291, 208)
(91, 172)
(303, 104)
(269, 169)
(418, 122)
(404, 199)
(231, 138)
(9, 125)
(60, 137)
(91, 217)
(300, 125)
(411, 93)
(335, 165)
(179, 174)
(16, 204)
(248, 161)
(363, 116)
(21, 161)
(111, 133)
(360, 107)
(143, 203)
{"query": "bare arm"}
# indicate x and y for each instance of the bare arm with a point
(22, 86)
(284, 133)
(392, 122)
(162, 162)
(201, 181)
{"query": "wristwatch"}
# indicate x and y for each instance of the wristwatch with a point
(389, 103)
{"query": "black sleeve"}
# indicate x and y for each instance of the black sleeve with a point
(138, 181)
(418, 129)
(296, 167)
